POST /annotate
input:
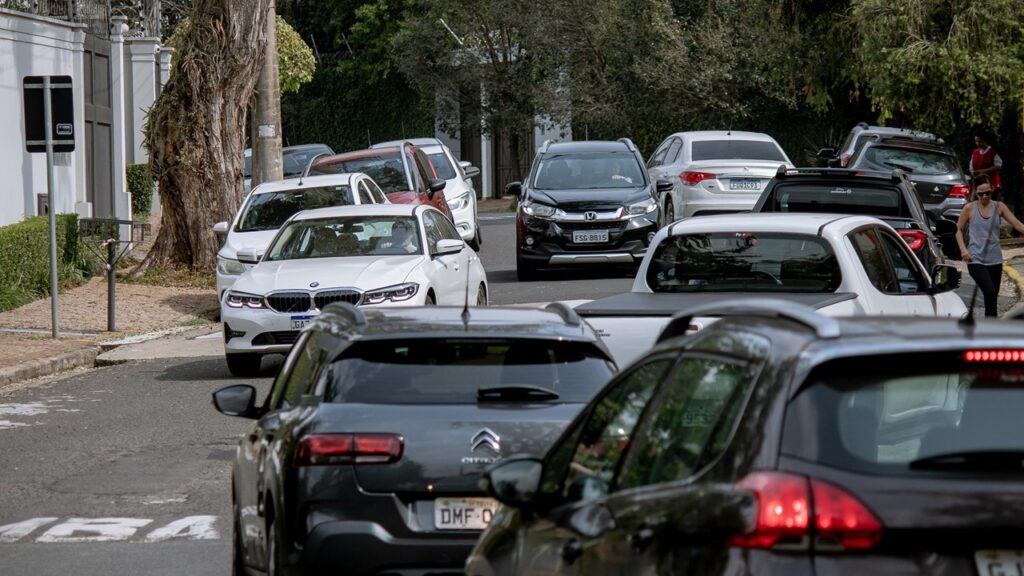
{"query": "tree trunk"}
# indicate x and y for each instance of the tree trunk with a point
(195, 131)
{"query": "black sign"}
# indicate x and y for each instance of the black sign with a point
(62, 114)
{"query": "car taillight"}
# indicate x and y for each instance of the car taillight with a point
(319, 449)
(914, 238)
(994, 356)
(960, 191)
(693, 178)
(792, 508)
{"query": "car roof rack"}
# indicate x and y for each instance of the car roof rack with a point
(629, 144)
(569, 316)
(349, 312)
(823, 326)
(783, 172)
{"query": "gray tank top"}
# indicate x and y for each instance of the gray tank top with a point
(984, 236)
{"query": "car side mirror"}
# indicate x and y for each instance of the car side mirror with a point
(238, 400)
(249, 256)
(826, 153)
(435, 187)
(945, 277)
(514, 189)
(220, 228)
(470, 170)
(944, 227)
(515, 481)
(449, 246)
(663, 186)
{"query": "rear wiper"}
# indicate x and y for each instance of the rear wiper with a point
(1009, 460)
(515, 393)
(903, 167)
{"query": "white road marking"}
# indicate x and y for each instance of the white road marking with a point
(94, 530)
(18, 530)
(190, 527)
(31, 409)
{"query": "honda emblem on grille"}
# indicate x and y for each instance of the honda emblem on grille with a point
(590, 215)
(314, 284)
(485, 438)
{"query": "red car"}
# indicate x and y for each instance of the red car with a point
(404, 173)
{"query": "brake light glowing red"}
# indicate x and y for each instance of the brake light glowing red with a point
(693, 178)
(786, 505)
(914, 238)
(960, 191)
(994, 356)
(318, 449)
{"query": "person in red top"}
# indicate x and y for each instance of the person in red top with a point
(985, 160)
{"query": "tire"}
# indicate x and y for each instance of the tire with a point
(274, 566)
(244, 365)
(524, 270)
(477, 240)
(670, 212)
(481, 296)
(237, 552)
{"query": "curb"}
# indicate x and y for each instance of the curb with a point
(49, 366)
(1017, 279)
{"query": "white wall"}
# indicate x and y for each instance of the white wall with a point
(37, 46)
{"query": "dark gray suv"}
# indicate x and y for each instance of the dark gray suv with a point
(366, 456)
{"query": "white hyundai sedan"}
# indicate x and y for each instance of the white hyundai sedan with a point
(370, 255)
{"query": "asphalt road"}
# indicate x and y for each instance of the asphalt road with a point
(125, 469)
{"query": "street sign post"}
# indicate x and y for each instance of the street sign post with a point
(49, 128)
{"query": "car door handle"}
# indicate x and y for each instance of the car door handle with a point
(642, 538)
(571, 551)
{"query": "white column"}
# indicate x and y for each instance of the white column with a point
(121, 200)
(166, 53)
(143, 93)
(486, 152)
(82, 207)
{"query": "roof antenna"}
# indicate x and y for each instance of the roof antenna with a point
(968, 321)
(465, 307)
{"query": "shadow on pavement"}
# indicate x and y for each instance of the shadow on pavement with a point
(215, 368)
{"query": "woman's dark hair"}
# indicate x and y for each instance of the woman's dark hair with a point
(981, 179)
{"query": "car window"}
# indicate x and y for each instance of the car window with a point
(908, 277)
(736, 150)
(378, 196)
(448, 230)
(916, 161)
(297, 375)
(673, 151)
(452, 370)
(346, 236)
(385, 167)
(442, 166)
(702, 396)
(657, 159)
(364, 193)
(582, 466)
(878, 415)
(269, 210)
(843, 197)
(730, 261)
(423, 169)
(873, 258)
(432, 226)
(580, 171)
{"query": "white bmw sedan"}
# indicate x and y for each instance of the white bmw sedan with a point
(370, 255)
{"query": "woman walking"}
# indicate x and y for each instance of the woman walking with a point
(983, 255)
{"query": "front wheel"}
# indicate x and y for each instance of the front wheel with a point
(237, 552)
(274, 564)
(244, 365)
(477, 240)
(670, 212)
(481, 296)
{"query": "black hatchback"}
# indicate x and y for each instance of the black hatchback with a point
(366, 456)
(584, 203)
(780, 441)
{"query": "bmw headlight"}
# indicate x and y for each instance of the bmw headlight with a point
(459, 202)
(641, 208)
(229, 267)
(396, 293)
(240, 299)
(538, 210)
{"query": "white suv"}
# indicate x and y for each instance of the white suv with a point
(270, 204)
(458, 190)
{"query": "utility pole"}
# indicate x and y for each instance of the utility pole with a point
(266, 141)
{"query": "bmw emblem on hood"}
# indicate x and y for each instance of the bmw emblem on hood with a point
(314, 284)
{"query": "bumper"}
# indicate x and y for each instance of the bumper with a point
(552, 241)
(262, 331)
(949, 208)
(367, 548)
(697, 200)
(465, 220)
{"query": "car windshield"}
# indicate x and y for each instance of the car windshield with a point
(736, 150)
(743, 261)
(840, 198)
(915, 161)
(454, 370)
(347, 236)
(442, 166)
(294, 162)
(269, 210)
(912, 413)
(588, 171)
(384, 167)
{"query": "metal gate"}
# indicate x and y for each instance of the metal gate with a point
(99, 151)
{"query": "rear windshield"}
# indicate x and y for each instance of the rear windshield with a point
(911, 160)
(385, 168)
(588, 171)
(839, 198)
(744, 261)
(442, 166)
(905, 416)
(450, 371)
(268, 211)
(736, 150)
(294, 162)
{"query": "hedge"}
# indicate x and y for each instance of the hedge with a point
(140, 185)
(25, 259)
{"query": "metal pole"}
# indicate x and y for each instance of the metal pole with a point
(51, 208)
(111, 260)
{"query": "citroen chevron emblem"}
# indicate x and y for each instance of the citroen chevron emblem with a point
(486, 437)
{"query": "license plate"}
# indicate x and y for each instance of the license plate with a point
(589, 236)
(463, 513)
(299, 322)
(744, 184)
(999, 562)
